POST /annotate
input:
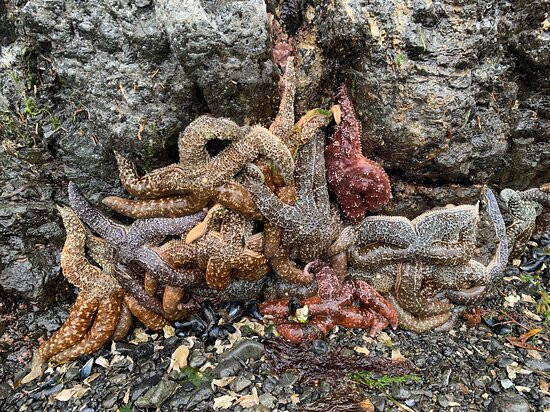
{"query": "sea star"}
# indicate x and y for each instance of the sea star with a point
(131, 242)
(225, 251)
(198, 172)
(525, 212)
(231, 195)
(442, 235)
(95, 317)
(415, 285)
(358, 183)
(333, 305)
(308, 224)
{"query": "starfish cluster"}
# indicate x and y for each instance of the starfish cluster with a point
(257, 220)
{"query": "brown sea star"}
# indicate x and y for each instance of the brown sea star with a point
(224, 251)
(198, 172)
(95, 317)
(358, 183)
(335, 304)
(131, 242)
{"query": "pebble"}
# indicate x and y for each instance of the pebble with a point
(244, 350)
(509, 402)
(319, 347)
(506, 383)
(400, 392)
(240, 384)
(538, 365)
(227, 367)
(379, 402)
(197, 359)
(109, 401)
(288, 379)
(267, 400)
(157, 394)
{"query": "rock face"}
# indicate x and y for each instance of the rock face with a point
(450, 94)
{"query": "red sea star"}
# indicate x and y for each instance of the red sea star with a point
(359, 184)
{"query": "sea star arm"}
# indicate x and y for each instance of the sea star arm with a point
(102, 330)
(124, 323)
(536, 195)
(101, 224)
(284, 122)
(152, 320)
(417, 324)
(171, 206)
(134, 288)
(370, 298)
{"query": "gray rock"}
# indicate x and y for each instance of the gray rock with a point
(538, 365)
(157, 394)
(227, 367)
(240, 384)
(109, 401)
(400, 392)
(267, 400)
(197, 359)
(379, 402)
(288, 379)
(509, 402)
(224, 49)
(244, 350)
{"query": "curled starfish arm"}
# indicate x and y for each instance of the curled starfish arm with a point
(174, 308)
(170, 206)
(537, 195)
(102, 330)
(134, 287)
(168, 180)
(124, 323)
(286, 269)
(259, 142)
(348, 237)
(498, 264)
(193, 140)
(101, 224)
(370, 298)
(417, 324)
(409, 292)
(152, 320)
(272, 208)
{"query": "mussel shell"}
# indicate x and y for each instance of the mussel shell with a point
(532, 265)
(87, 369)
(293, 305)
(195, 325)
(229, 328)
(209, 312)
(252, 309)
(235, 311)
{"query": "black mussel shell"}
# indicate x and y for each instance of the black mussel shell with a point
(293, 305)
(532, 265)
(235, 311)
(229, 328)
(252, 309)
(544, 241)
(209, 312)
(195, 325)
(539, 253)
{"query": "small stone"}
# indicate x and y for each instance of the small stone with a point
(538, 365)
(245, 350)
(269, 384)
(228, 367)
(400, 392)
(442, 401)
(494, 387)
(506, 383)
(319, 347)
(109, 401)
(157, 394)
(379, 402)
(288, 379)
(502, 363)
(509, 402)
(71, 374)
(325, 387)
(197, 359)
(239, 384)
(267, 400)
